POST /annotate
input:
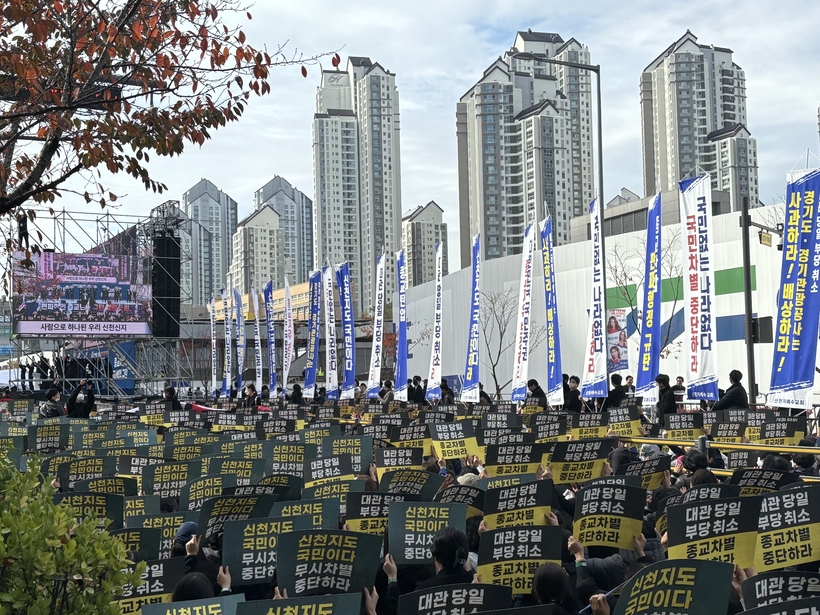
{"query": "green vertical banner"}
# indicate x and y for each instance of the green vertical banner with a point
(680, 587)
(327, 562)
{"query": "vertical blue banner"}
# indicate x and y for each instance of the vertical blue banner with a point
(271, 338)
(555, 381)
(650, 345)
(401, 336)
(470, 391)
(348, 331)
(226, 318)
(315, 285)
(798, 305)
(240, 339)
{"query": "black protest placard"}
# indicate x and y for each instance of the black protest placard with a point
(398, 458)
(625, 420)
(360, 448)
(511, 556)
(324, 513)
(313, 605)
(244, 471)
(48, 437)
(718, 491)
(428, 417)
(327, 562)
(328, 469)
(146, 541)
(169, 523)
(289, 487)
(454, 440)
(84, 468)
(413, 482)
(132, 465)
(723, 530)
(195, 492)
(100, 506)
(680, 587)
(780, 433)
(578, 462)
(273, 426)
(498, 420)
(788, 528)
(505, 481)
(289, 458)
(756, 481)
(140, 505)
(167, 480)
(411, 526)
(216, 511)
(462, 598)
(686, 426)
(118, 485)
(338, 489)
(50, 464)
(367, 512)
(808, 606)
(609, 516)
(473, 497)
(412, 436)
(728, 431)
(779, 586)
(377, 432)
(651, 472)
(249, 547)
(555, 431)
(519, 505)
(608, 481)
(184, 452)
(315, 435)
(506, 459)
(157, 584)
(740, 459)
(589, 425)
(224, 605)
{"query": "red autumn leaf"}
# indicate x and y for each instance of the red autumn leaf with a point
(304, 71)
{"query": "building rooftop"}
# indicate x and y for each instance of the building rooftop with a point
(540, 37)
(414, 213)
(726, 131)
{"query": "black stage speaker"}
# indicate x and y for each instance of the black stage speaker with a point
(165, 275)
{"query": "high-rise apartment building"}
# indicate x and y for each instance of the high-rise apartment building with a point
(258, 252)
(295, 211)
(421, 230)
(213, 217)
(693, 120)
(524, 134)
(357, 172)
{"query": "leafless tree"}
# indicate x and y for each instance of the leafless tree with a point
(625, 269)
(671, 269)
(498, 312)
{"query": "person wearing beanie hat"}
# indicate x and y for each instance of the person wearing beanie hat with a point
(185, 532)
(52, 407)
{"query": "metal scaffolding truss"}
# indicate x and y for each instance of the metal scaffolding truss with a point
(156, 362)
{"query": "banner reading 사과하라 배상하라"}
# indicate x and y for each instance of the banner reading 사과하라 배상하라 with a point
(798, 305)
(649, 348)
(555, 383)
(470, 390)
(348, 331)
(697, 254)
(593, 379)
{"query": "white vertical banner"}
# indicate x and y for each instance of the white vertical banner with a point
(331, 355)
(258, 355)
(374, 376)
(593, 380)
(699, 335)
(226, 317)
(214, 359)
(287, 352)
(521, 349)
(434, 374)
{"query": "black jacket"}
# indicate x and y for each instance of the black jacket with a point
(616, 396)
(82, 409)
(735, 397)
(51, 409)
(572, 401)
(445, 577)
(666, 404)
(537, 398)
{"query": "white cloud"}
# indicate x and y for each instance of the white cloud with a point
(438, 49)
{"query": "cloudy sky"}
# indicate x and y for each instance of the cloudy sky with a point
(438, 49)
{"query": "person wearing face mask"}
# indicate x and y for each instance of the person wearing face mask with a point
(572, 402)
(81, 401)
(52, 407)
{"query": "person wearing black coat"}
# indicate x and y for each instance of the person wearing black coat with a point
(537, 396)
(735, 396)
(572, 400)
(295, 396)
(666, 402)
(616, 395)
(81, 402)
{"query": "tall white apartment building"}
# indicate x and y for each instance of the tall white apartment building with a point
(213, 217)
(524, 133)
(693, 119)
(295, 211)
(357, 172)
(258, 252)
(421, 230)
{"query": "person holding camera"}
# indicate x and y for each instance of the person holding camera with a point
(81, 401)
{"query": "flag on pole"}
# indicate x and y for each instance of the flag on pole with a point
(434, 374)
(593, 381)
(287, 337)
(650, 345)
(555, 380)
(214, 358)
(331, 356)
(400, 393)
(522, 328)
(226, 317)
(374, 376)
(470, 391)
(258, 337)
(348, 330)
(240, 338)
(271, 338)
(315, 285)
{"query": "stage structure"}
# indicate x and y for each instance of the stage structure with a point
(104, 300)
